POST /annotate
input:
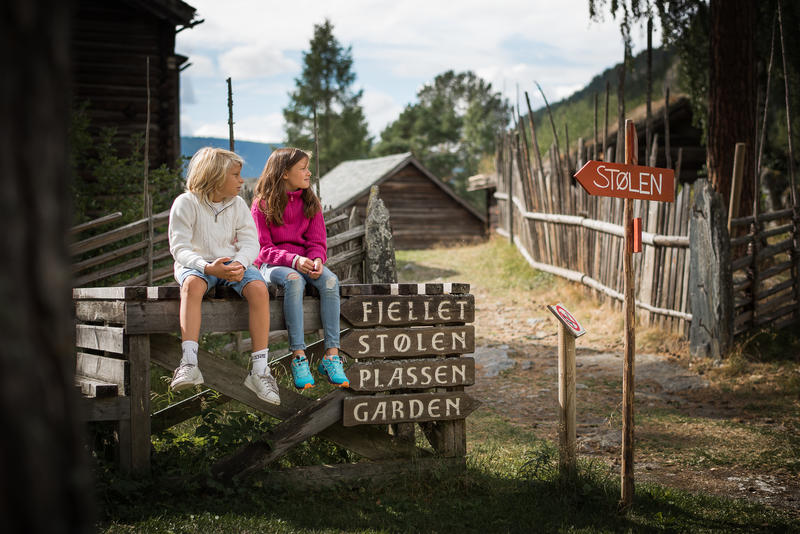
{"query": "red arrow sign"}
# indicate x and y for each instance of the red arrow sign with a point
(627, 181)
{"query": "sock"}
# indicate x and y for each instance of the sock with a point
(189, 349)
(259, 361)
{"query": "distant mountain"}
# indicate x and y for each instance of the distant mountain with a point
(255, 154)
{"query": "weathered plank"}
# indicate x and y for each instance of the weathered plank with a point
(105, 293)
(454, 288)
(408, 342)
(267, 448)
(401, 310)
(418, 374)
(102, 368)
(95, 388)
(108, 338)
(106, 311)
(219, 315)
(139, 365)
(410, 408)
(227, 378)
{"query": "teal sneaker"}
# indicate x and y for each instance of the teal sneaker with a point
(301, 373)
(331, 367)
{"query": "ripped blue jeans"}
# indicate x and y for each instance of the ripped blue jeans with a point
(294, 288)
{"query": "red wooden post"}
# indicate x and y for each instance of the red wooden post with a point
(629, 344)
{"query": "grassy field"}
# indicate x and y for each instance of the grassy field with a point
(512, 482)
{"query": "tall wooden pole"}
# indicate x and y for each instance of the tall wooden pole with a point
(567, 445)
(148, 201)
(629, 307)
(230, 115)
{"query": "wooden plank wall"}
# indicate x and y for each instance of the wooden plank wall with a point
(422, 215)
(590, 252)
(110, 44)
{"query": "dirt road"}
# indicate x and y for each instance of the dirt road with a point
(698, 427)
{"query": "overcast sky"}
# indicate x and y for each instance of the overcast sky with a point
(397, 46)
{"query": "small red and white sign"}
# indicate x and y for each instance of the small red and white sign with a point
(567, 319)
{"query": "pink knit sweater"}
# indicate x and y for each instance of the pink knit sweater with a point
(296, 236)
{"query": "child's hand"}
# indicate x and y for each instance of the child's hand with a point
(304, 265)
(237, 273)
(232, 272)
(316, 272)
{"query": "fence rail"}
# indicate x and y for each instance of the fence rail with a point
(122, 256)
(765, 273)
(562, 230)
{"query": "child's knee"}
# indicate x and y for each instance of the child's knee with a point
(332, 282)
(294, 282)
(193, 286)
(256, 289)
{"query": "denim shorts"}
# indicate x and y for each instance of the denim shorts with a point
(251, 274)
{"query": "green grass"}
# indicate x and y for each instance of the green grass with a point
(512, 484)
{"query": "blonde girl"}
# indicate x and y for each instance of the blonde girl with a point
(214, 242)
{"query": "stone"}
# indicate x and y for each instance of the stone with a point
(710, 277)
(379, 261)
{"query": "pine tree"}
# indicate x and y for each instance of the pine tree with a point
(326, 81)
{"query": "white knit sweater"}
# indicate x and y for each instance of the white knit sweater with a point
(198, 236)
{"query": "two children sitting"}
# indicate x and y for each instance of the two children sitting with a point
(216, 239)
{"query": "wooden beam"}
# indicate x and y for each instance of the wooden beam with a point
(107, 338)
(226, 377)
(267, 448)
(185, 409)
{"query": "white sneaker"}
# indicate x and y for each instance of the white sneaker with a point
(186, 375)
(264, 386)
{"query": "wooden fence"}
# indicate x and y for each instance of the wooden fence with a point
(766, 291)
(562, 230)
(122, 256)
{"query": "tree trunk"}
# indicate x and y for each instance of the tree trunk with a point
(732, 95)
(45, 482)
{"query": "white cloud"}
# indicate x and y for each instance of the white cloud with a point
(254, 61)
(397, 47)
(380, 109)
(264, 128)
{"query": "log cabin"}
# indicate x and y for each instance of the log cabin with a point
(111, 42)
(423, 210)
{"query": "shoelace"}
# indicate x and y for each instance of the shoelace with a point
(183, 370)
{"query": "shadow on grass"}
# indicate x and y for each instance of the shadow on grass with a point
(533, 498)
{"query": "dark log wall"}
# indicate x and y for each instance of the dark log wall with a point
(110, 44)
(422, 215)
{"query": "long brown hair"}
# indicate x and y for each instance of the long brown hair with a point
(270, 192)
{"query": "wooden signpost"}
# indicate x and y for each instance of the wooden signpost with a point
(408, 342)
(410, 345)
(628, 181)
(401, 310)
(568, 329)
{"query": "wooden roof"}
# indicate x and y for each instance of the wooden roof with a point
(174, 11)
(343, 185)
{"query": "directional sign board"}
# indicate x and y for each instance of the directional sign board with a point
(408, 310)
(413, 408)
(408, 342)
(567, 319)
(619, 180)
(411, 374)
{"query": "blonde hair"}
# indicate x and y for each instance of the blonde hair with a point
(207, 170)
(270, 192)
